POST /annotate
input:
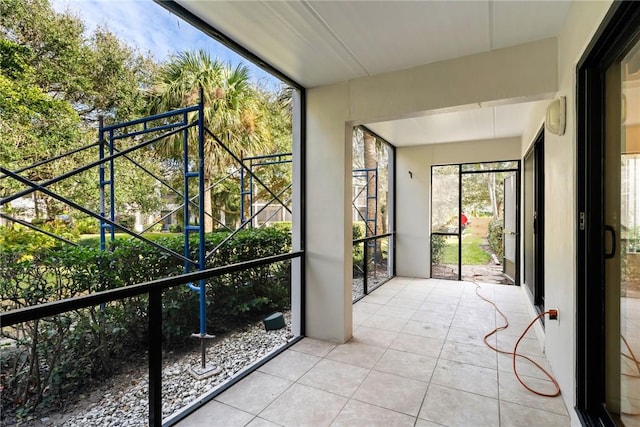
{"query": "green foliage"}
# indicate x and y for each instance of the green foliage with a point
(248, 121)
(283, 226)
(56, 80)
(438, 243)
(33, 124)
(87, 225)
(28, 241)
(359, 229)
(55, 355)
(94, 240)
(483, 193)
(358, 259)
(53, 358)
(496, 238)
(237, 297)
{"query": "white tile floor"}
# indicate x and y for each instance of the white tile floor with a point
(416, 359)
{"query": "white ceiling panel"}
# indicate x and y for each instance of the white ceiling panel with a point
(467, 125)
(517, 22)
(511, 119)
(387, 36)
(289, 35)
(323, 42)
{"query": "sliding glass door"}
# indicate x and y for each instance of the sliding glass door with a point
(622, 237)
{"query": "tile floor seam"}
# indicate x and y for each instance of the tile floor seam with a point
(565, 414)
(339, 412)
(350, 364)
(320, 389)
(381, 407)
(404, 376)
(444, 340)
(499, 398)
(385, 408)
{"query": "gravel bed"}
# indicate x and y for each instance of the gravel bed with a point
(357, 288)
(123, 399)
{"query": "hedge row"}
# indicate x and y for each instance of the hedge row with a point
(54, 357)
(496, 238)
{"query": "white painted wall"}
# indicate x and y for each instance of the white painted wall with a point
(511, 73)
(560, 201)
(413, 193)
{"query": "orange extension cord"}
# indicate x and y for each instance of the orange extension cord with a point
(515, 353)
(635, 360)
(631, 357)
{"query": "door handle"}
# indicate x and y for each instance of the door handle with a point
(614, 243)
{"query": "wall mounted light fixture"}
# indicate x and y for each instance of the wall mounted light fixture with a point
(556, 120)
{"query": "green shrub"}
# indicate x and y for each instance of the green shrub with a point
(359, 229)
(29, 241)
(495, 237)
(87, 225)
(438, 244)
(358, 259)
(94, 241)
(88, 345)
(284, 226)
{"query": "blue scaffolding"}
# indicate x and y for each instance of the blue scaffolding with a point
(247, 187)
(370, 178)
(370, 217)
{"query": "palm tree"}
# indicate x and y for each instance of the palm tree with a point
(231, 111)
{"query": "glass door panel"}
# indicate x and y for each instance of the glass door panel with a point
(622, 231)
(445, 199)
(510, 226)
(445, 222)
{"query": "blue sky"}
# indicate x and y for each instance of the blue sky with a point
(152, 29)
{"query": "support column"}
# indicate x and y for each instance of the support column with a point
(328, 262)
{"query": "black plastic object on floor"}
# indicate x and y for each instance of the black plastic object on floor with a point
(274, 321)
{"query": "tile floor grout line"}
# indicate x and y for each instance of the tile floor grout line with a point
(424, 397)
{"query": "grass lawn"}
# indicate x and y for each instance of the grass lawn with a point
(472, 253)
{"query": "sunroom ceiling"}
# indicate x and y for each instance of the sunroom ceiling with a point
(473, 124)
(321, 42)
